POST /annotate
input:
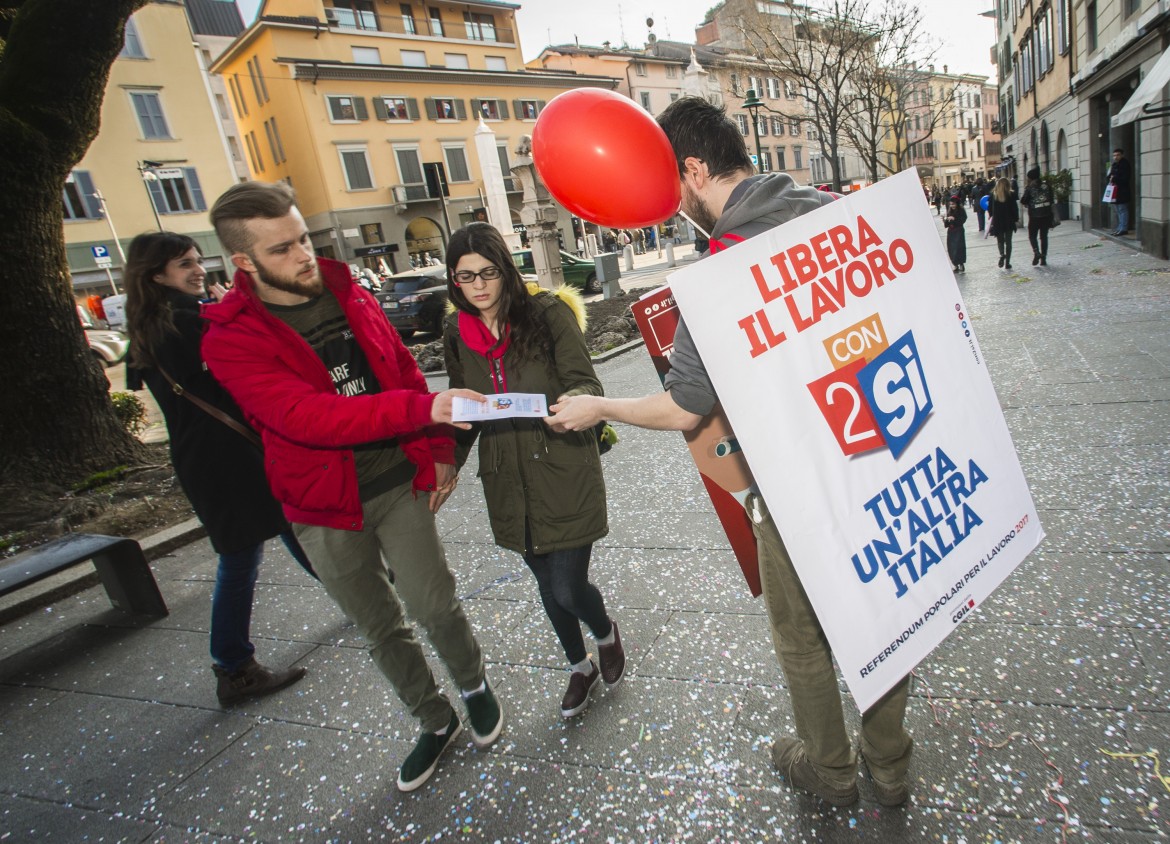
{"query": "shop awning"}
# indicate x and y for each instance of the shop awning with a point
(1150, 90)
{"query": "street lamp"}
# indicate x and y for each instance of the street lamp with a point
(146, 170)
(753, 104)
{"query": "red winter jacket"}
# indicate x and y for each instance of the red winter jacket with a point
(307, 427)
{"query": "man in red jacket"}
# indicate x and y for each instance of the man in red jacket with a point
(355, 448)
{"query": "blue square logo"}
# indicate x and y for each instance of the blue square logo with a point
(895, 388)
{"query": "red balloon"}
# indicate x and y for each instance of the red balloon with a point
(605, 159)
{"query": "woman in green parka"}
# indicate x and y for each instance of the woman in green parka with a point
(545, 493)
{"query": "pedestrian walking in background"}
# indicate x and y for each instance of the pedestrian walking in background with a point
(544, 490)
(358, 451)
(1004, 214)
(980, 190)
(219, 467)
(1119, 179)
(938, 202)
(1038, 200)
(723, 194)
(953, 222)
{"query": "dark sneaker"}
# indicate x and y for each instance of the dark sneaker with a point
(577, 696)
(423, 760)
(253, 680)
(612, 658)
(888, 794)
(485, 715)
(791, 761)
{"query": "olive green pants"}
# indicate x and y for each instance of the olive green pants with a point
(807, 662)
(400, 528)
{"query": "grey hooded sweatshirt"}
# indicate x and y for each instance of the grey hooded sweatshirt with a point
(757, 204)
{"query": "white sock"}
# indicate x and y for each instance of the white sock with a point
(480, 688)
(585, 667)
(608, 640)
(442, 732)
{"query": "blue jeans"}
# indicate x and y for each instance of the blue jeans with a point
(1122, 216)
(231, 602)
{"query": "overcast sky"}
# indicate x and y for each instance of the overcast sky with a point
(965, 37)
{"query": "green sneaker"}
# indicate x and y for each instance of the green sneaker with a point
(485, 715)
(423, 760)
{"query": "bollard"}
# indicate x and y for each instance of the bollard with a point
(670, 262)
(628, 254)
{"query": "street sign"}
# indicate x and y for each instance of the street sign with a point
(104, 263)
(100, 252)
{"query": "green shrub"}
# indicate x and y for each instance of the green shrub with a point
(130, 410)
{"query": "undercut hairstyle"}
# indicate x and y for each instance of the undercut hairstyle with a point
(528, 335)
(149, 317)
(697, 128)
(248, 201)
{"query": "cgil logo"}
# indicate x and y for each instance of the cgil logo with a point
(964, 608)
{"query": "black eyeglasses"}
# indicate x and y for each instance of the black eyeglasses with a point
(468, 277)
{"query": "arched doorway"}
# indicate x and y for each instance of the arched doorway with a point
(424, 240)
(1043, 159)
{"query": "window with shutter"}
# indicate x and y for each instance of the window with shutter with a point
(355, 162)
(457, 163)
(148, 109)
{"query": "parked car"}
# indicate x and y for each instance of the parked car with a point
(415, 300)
(578, 272)
(110, 347)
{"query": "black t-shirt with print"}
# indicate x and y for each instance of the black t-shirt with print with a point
(380, 465)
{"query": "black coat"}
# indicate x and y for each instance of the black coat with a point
(1119, 176)
(956, 236)
(220, 471)
(1005, 215)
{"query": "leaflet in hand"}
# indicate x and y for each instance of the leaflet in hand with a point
(499, 406)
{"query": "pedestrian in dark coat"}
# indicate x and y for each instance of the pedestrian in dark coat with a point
(956, 236)
(544, 489)
(1120, 176)
(1038, 200)
(1004, 216)
(220, 470)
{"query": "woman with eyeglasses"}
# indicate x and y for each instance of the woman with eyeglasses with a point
(545, 493)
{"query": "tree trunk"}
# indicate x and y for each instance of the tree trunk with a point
(57, 424)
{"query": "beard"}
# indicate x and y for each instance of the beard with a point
(695, 207)
(298, 285)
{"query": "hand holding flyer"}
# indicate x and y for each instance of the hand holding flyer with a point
(499, 406)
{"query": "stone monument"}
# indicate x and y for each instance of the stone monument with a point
(539, 216)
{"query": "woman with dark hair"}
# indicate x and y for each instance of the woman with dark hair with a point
(1005, 214)
(220, 469)
(545, 493)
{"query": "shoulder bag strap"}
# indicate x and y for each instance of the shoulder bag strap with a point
(244, 432)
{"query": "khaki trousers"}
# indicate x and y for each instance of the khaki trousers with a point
(807, 662)
(400, 528)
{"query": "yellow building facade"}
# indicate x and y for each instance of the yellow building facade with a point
(370, 111)
(160, 158)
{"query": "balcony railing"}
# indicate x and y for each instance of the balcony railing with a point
(411, 193)
(346, 18)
